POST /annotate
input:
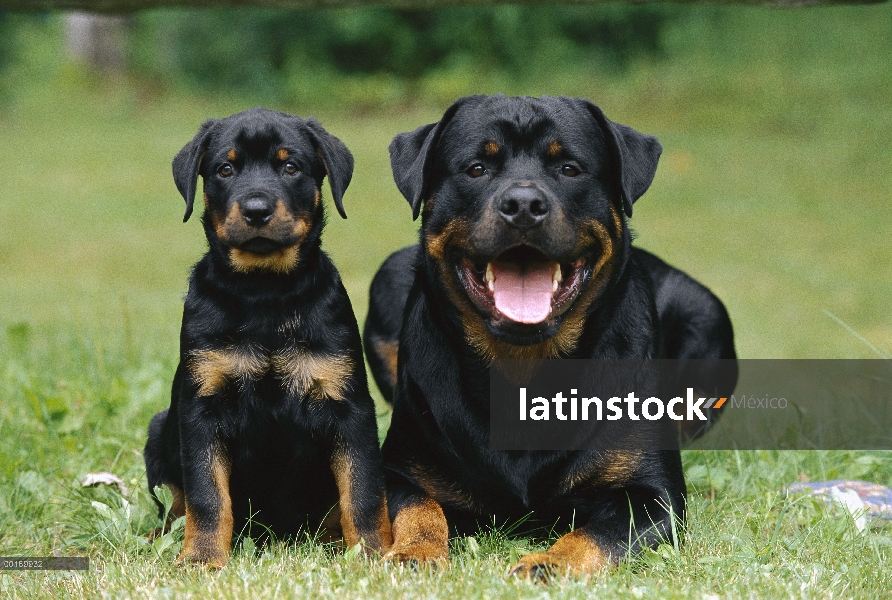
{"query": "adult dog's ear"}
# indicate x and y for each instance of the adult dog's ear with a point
(336, 158)
(411, 157)
(636, 154)
(187, 163)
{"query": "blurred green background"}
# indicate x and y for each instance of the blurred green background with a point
(773, 189)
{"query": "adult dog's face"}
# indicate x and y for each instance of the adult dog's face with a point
(262, 173)
(523, 201)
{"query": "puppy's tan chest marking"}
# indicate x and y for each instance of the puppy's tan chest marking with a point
(302, 373)
(319, 376)
(213, 369)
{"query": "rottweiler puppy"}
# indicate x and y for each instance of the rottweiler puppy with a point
(525, 252)
(270, 416)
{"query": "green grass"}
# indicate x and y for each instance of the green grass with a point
(773, 190)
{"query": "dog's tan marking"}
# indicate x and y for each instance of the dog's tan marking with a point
(320, 376)
(213, 369)
(491, 148)
(317, 198)
(282, 154)
(209, 543)
(428, 207)
(568, 334)
(441, 490)
(420, 533)
(554, 148)
(617, 223)
(278, 261)
(383, 525)
(611, 468)
(340, 466)
(232, 221)
(575, 552)
(455, 233)
(388, 351)
(207, 203)
(232, 155)
(378, 539)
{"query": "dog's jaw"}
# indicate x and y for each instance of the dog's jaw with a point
(280, 261)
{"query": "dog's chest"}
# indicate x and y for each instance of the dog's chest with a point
(276, 356)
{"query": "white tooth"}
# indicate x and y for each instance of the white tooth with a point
(558, 276)
(554, 285)
(491, 286)
(489, 274)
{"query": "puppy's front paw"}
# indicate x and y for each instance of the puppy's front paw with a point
(209, 551)
(212, 561)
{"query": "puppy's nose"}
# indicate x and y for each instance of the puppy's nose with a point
(523, 206)
(257, 212)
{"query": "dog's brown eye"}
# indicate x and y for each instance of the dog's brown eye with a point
(476, 170)
(569, 170)
(290, 168)
(225, 170)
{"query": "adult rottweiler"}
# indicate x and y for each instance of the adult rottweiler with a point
(270, 415)
(526, 253)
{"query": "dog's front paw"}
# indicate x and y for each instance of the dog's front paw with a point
(573, 554)
(207, 551)
(539, 566)
(416, 554)
(212, 561)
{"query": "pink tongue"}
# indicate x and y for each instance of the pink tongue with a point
(524, 296)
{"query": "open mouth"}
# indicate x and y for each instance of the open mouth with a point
(260, 245)
(522, 285)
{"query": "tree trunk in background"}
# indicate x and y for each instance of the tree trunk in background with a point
(97, 40)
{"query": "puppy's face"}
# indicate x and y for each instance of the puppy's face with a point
(262, 173)
(522, 217)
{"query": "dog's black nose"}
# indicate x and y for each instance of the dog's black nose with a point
(257, 212)
(523, 206)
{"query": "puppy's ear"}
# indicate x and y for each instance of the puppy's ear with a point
(187, 163)
(411, 157)
(336, 158)
(636, 155)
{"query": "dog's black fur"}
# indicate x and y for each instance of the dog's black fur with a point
(526, 181)
(270, 415)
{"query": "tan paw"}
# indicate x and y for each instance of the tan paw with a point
(539, 566)
(419, 553)
(214, 559)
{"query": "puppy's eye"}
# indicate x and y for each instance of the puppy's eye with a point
(290, 168)
(569, 171)
(476, 170)
(225, 170)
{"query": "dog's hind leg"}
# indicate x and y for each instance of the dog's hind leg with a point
(387, 302)
(161, 456)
